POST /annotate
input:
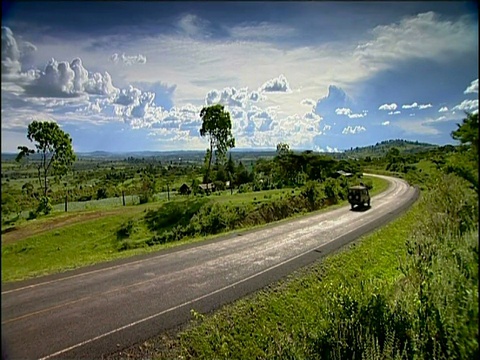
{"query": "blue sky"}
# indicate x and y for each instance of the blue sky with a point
(132, 76)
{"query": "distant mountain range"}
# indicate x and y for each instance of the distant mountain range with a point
(379, 149)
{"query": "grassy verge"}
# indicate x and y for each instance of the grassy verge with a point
(95, 241)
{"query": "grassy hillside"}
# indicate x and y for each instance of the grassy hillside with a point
(381, 148)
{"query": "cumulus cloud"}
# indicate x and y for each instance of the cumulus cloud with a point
(389, 107)
(394, 112)
(473, 88)
(335, 99)
(421, 36)
(128, 60)
(63, 79)
(13, 51)
(467, 105)
(443, 109)
(343, 111)
(276, 85)
(348, 112)
(385, 123)
(308, 102)
(230, 96)
(411, 106)
(424, 106)
(10, 53)
(353, 130)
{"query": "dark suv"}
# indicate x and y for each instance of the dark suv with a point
(358, 195)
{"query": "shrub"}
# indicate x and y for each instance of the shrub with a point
(313, 194)
(126, 229)
(102, 194)
(44, 206)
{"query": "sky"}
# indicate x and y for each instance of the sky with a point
(323, 76)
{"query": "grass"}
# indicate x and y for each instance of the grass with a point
(280, 321)
(71, 246)
(408, 290)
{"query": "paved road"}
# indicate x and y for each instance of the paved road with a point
(97, 310)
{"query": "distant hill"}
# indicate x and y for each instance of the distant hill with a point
(381, 148)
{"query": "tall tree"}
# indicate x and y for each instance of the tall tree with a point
(465, 162)
(55, 149)
(217, 127)
(467, 133)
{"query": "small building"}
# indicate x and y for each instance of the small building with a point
(342, 173)
(207, 187)
(184, 190)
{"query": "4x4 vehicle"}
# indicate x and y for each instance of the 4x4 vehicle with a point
(358, 195)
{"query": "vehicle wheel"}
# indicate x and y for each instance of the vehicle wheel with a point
(368, 203)
(351, 206)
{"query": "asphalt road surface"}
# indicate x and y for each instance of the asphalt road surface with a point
(100, 309)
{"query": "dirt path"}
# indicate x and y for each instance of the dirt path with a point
(22, 232)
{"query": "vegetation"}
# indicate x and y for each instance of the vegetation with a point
(137, 229)
(217, 127)
(383, 298)
(56, 156)
(408, 291)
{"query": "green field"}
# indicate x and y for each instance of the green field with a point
(94, 241)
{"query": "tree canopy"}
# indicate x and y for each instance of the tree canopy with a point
(55, 149)
(217, 128)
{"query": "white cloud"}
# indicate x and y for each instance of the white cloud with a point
(343, 111)
(467, 105)
(443, 109)
(308, 102)
(263, 30)
(279, 84)
(423, 36)
(10, 53)
(61, 79)
(192, 25)
(473, 88)
(128, 60)
(353, 130)
(412, 106)
(424, 106)
(394, 112)
(389, 107)
(231, 96)
(412, 114)
(386, 123)
(348, 112)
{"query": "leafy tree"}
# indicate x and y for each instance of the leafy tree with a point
(465, 162)
(217, 127)
(242, 175)
(55, 149)
(467, 133)
(283, 149)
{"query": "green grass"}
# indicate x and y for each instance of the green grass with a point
(279, 321)
(71, 246)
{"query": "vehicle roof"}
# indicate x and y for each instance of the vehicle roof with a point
(357, 187)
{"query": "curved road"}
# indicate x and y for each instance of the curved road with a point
(104, 308)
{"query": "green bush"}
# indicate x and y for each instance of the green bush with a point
(313, 193)
(44, 206)
(126, 229)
